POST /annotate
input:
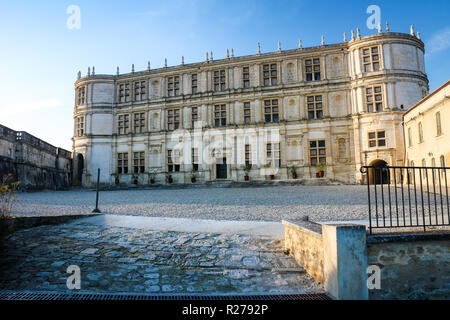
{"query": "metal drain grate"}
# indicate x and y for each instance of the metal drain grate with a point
(119, 296)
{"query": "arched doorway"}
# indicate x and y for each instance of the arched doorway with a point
(380, 173)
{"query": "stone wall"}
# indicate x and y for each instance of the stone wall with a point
(304, 241)
(411, 267)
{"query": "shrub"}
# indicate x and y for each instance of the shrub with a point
(8, 195)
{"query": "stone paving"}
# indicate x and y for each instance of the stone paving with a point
(118, 259)
(264, 203)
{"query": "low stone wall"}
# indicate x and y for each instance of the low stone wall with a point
(412, 266)
(303, 240)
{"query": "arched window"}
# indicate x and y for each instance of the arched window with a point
(420, 129)
(438, 124)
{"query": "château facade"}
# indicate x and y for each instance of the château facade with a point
(338, 104)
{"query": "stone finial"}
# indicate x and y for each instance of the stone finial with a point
(165, 62)
(259, 48)
(322, 40)
(387, 26)
(232, 52)
(93, 71)
(299, 43)
(411, 30)
(148, 65)
(379, 28)
(353, 35)
(117, 72)
(207, 59)
(418, 35)
(279, 46)
(89, 72)
(182, 60)
(132, 68)
(358, 34)
(228, 53)
(211, 56)
(345, 36)
(79, 75)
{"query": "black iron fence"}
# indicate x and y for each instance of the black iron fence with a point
(407, 197)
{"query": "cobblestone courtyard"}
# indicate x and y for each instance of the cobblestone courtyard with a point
(265, 203)
(116, 259)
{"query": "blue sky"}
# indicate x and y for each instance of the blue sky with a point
(40, 56)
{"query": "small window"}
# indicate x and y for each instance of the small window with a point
(248, 155)
(173, 160)
(140, 92)
(220, 115)
(270, 74)
(194, 116)
(194, 83)
(271, 110)
(315, 107)
(195, 159)
(123, 123)
(124, 92)
(409, 137)
(219, 80)
(317, 152)
(81, 95)
(377, 139)
(173, 86)
(273, 154)
(139, 122)
(374, 99)
(312, 69)
(173, 119)
(80, 126)
(420, 129)
(139, 162)
(122, 163)
(371, 59)
(247, 113)
(438, 124)
(246, 77)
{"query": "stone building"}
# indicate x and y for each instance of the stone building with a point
(35, 163)
(427, 130)
(338, 104)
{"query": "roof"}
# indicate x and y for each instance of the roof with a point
(427, 97)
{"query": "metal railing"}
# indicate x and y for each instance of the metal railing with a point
(407, 197)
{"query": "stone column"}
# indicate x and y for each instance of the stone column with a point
(345, 261)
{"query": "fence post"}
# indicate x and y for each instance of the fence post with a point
(96, 210)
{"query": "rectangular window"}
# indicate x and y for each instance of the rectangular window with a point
(420, 129)
(377, 139)
(248, 155)
(194, 83)
(271, 111)
(194, 115)
(374, 99)
(124, 123)
(315, 107)
(80, 126)
(173, 86)
(371, 59)
(139, 122)
(139, 162)
(122, 163)
(219, 80)
(220, 115)
(194, 159)
(140, 92)
(438, 124)
(124, 92)
(273, 154)
(270, 74)
(247, 113)
(409, 137)
(246, 77)
(317, 152)
(173, 119)
(81, 96)
(312, 69)
(173, 160)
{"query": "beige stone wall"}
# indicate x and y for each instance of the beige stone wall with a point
(412, 270)
(306, 247)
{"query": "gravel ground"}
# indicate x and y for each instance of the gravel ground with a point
(320, 203)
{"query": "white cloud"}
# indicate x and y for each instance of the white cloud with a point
(440, 41)
(10, 108)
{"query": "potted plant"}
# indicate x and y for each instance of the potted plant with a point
(169, 178)
(152, 176)
(193, 177)
(116, 178)
(293, 170)
(135, 178)
(320, 167)
(247, 169)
